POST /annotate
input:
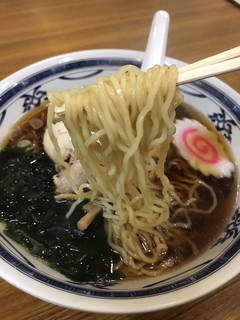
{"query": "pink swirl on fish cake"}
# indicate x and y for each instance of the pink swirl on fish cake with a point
(199, 146)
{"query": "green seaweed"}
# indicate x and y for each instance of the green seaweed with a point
(35, 219)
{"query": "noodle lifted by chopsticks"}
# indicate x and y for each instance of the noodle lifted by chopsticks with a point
(121, 129)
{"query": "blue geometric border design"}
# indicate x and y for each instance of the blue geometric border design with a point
(218, 95)
(58, 70)
(212, 267)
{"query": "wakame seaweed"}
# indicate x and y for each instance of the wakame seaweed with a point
(35, 219)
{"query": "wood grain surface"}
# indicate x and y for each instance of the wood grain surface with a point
(34, 30)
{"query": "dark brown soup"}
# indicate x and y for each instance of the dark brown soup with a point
(34, 218)
(205, 228)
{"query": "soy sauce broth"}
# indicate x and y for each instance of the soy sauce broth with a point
(207, 227)
(35, 219)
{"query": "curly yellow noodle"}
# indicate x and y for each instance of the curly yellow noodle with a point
(121, 129)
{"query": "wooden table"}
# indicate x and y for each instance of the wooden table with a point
(33, 30)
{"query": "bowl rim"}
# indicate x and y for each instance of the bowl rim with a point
(104, 305)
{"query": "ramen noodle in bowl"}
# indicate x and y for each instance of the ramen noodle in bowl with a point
(133, 184)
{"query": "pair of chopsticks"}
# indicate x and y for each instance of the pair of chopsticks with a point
(220, 63)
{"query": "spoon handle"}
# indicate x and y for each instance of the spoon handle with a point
(157, 41)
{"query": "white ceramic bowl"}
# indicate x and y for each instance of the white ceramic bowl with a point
(220, 263)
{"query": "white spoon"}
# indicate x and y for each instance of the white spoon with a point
(157, 41)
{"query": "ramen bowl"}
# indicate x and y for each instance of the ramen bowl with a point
(219, 263)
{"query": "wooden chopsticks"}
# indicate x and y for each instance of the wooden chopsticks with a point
(220, 63)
